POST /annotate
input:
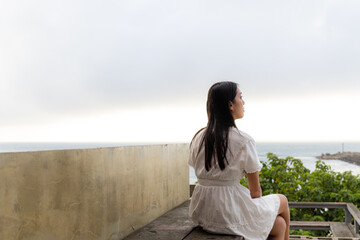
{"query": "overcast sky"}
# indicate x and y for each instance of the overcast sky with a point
(139, 71)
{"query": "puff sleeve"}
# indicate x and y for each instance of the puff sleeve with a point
(250, 163)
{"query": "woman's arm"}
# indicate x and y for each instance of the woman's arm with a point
(254, 184)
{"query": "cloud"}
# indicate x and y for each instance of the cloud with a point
(76, 58)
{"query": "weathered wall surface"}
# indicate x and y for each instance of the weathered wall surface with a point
(103, 193)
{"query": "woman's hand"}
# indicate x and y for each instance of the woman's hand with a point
(254, 184)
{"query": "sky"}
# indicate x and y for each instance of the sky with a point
(139, 71)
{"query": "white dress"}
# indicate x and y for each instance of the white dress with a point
(219, 203)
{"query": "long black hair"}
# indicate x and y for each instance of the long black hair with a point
(220, 119)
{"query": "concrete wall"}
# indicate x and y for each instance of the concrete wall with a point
(104, 193)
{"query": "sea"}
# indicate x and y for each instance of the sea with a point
(305, 151)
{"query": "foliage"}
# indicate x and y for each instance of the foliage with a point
(288, 176)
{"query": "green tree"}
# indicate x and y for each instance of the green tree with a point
(288, 176)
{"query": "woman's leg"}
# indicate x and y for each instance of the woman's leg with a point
(282, 221)
(285, 213)
(278, 230)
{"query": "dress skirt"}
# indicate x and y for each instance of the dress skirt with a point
(226, 207)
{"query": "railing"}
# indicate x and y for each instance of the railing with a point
(339, 229)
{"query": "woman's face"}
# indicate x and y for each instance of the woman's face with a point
(237, 107)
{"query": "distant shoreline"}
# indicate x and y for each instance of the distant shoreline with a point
(350, 157)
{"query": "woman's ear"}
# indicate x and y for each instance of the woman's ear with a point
(231, 106)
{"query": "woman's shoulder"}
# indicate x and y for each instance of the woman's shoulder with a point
(197, 136)
(240, 136)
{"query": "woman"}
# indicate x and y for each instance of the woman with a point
(221, 155)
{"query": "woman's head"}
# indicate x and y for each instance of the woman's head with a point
(224, 103)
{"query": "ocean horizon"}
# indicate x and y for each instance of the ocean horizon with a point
(280, 148)
(49, 146)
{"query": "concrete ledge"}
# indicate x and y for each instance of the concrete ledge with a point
(93, 194)
(175, 224)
